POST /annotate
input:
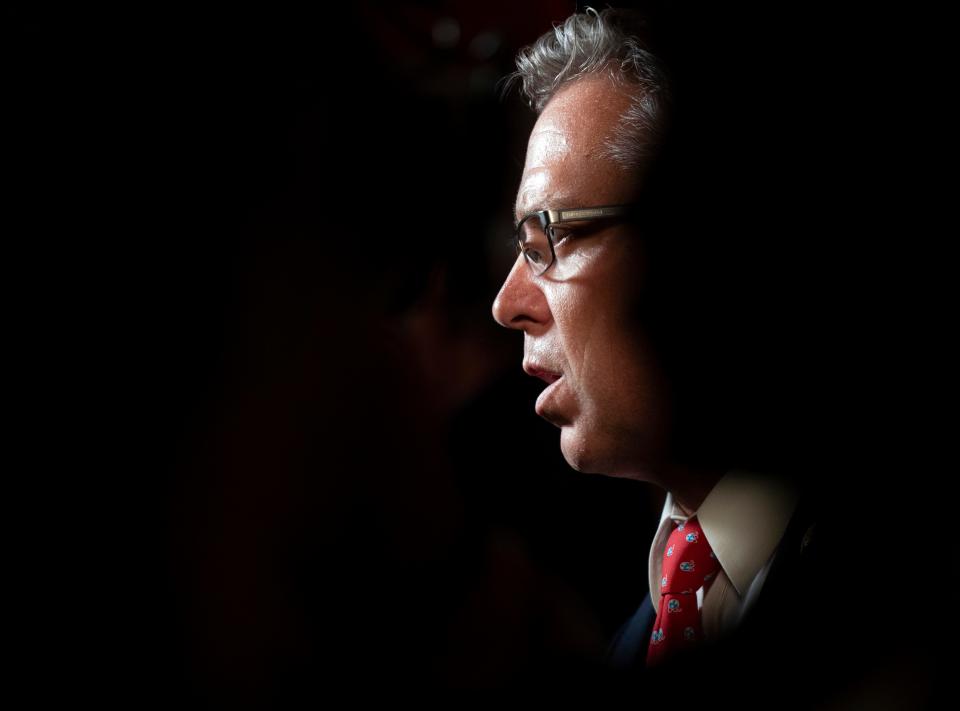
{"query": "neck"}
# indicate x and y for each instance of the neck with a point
(689, 488)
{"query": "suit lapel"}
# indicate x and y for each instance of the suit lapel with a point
(628, 650)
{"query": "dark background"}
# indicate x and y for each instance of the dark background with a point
(290, 449)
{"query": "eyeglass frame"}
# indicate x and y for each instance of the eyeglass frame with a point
(548, 218)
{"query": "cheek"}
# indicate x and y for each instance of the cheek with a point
(594, 313)
(579, 337)
(618, 382)
(606, 356)
(594, 356)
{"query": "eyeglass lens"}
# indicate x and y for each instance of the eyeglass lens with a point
(533, 242)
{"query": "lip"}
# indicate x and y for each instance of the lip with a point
(542, 407)
(547, 376)
(545, 406)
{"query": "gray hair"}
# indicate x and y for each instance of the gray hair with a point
(601, 43)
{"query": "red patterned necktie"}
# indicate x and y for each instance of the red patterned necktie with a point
(688, 563)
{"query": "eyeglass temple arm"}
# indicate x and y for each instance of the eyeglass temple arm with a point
(587, 213)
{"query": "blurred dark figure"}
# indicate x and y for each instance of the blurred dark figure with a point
(326, 537)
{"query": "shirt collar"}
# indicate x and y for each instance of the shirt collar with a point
(743, 519)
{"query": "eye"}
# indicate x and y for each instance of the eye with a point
(535, 255)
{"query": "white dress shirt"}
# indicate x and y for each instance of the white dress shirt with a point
(743, 519)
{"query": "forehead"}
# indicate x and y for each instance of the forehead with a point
(565, 165)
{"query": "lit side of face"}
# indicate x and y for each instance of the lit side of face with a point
(578, 318)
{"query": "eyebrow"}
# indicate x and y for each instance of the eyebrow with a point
(516, 211)
(563, 200)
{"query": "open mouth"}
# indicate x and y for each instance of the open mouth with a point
(545, 375)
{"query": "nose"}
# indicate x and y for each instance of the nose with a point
(521, 302)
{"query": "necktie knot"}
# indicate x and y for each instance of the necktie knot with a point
(688, 562)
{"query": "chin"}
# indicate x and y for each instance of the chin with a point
(579, 455)
(595, 455)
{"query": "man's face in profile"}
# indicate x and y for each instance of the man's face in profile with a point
(578, 317)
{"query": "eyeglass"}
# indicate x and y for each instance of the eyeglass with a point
(536, 233)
